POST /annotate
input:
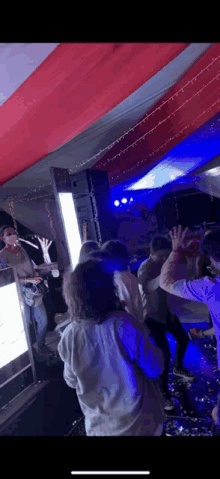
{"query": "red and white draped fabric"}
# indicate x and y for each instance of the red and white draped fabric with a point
(74, 86)
(54, 97)
(187, 106)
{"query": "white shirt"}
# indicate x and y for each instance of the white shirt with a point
(128, 291)
(113, 366)
(184, 309)
(205, 290)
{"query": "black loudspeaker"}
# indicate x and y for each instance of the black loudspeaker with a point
(92, 200)
(188, 208)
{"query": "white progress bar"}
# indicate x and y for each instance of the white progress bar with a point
(111, 472)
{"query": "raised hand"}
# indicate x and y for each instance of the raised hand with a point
(178, 238)
(45, 245)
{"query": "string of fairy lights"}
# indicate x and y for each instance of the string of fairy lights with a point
(154, 111)
(47, 195)
(167, 141)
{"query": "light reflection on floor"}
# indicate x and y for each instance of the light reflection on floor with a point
(194, 402)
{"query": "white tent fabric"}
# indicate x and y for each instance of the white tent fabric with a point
(210, 184)
(76, 154)
(17, 62)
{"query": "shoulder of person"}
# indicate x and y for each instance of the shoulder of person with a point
(211, 280)
(3, 255)
(145, 265)
(147, 270)
(130, 281)
(127, 274)
(129, 326)
(119, 315)
(145, 262)
(65, 340)
(123, 318)
(25, 253)
(23, 249)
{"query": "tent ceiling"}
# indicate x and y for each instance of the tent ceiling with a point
(89, 147)
(75, 86)
(75, 154)
(17, 62)
(187, 110)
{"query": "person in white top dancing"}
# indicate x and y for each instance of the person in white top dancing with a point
(125, 281)
(205, 290)
(109, 358)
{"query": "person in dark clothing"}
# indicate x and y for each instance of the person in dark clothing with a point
(158, 317)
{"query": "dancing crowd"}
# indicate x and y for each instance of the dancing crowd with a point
(115, 351)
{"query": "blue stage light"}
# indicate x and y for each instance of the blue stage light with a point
(124, 200)
(131, 199)
(116, 203)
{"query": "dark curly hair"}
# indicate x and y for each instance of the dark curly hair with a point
(89, 291)
(118, 252)
(104, 256)
(87, 248)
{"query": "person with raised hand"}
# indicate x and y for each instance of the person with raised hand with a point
(205, 290)
(158, 317)
(126, 283)
(13, 254)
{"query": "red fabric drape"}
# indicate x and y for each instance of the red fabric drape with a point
(75, 86)
(173, 126)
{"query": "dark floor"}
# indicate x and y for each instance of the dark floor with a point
(56, 411)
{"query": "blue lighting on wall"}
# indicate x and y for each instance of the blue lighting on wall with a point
(195, 151)
(157, 177)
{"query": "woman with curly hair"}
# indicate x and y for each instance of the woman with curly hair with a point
(109, 358)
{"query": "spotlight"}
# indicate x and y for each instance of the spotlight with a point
(116, 203)
(131, 199)
(124, 200)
